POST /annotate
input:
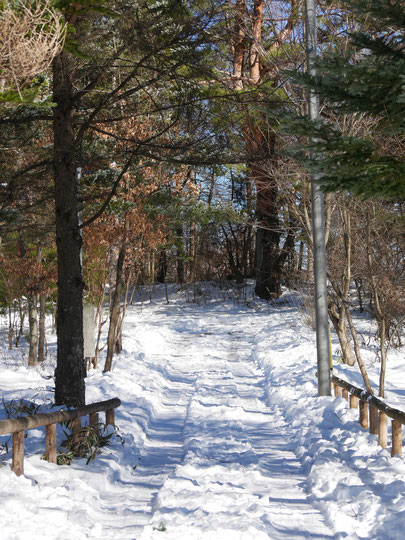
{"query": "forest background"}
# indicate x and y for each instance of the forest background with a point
(168, 141)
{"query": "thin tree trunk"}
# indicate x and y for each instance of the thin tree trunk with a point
(300, 259)
(118, 338)
(359, 359)
(162, 267)
(115, 309)
(310, 264)
(10, 329)
(100, 325)
(378, 311)
(180, 254)
(358, 284)
(32, 300)
(339, 323)
(344, 289)
(42, 317)
(22, 313)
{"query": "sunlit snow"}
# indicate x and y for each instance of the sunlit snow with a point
(224, 435)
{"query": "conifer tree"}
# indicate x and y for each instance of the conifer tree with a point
(366, 83)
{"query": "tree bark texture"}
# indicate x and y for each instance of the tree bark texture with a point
(70, 369)
(269, 258)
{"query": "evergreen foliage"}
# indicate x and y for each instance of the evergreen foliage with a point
(366, 84)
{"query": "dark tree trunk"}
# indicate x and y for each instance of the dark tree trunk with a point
(70, 368)
(300, 259)
(290, 255)
(269, 261)
(268, 267)
(180, 254)
(162, 268)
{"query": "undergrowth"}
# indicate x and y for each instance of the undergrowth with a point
(86, 443)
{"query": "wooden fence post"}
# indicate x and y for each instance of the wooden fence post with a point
(110, 417)
(93, 419)
(17, 427)
(363, 407)
(50, 443)
(345, 394)
(338, 391)
(373, 416)
(396, 438)
(18, 453)
(76, 426)
(382, 430)
(354, 401)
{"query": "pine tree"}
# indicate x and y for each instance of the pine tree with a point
(366, 83)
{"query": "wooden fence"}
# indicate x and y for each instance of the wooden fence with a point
(374, 413)
(17, 427)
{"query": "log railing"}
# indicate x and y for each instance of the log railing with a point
(374, 413)
(17, 427)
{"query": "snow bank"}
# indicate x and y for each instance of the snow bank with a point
(224, 436)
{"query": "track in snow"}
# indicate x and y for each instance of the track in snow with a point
(217, 458)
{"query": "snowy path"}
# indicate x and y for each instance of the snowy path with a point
(225, 438)
(230, 455)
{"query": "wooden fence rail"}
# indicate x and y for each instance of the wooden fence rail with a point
(374, 413)
(17, 427)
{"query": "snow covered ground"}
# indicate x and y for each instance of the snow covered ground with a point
(224, 436)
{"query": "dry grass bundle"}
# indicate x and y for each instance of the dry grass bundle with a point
(31, 35)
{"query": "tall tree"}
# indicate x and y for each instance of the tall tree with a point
(260, 31)
(70, 368)
(366, 81)
(123, 62)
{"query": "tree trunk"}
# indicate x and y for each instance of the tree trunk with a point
(115, 310)
(180, 254)
(268, 270)
(21, 311)
(32, 300)
(300, 259)
(42, 316)
(359, 284)
(249, 240)
(193, 252)
(70, 368)
(10, 332)
(162, 267)
(238, 44)
(248, 70)
(338, 319)
(360, 362)
(269, 262)
(340, 303)
(33, 316)
(310, 264)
